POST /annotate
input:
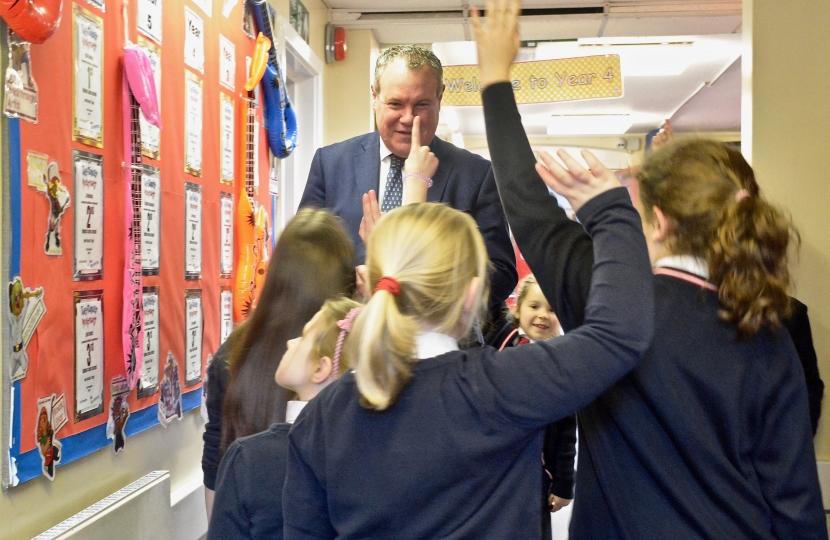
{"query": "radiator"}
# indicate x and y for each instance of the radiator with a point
(138, 511)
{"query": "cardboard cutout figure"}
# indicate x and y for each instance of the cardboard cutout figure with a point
(26, 309)
(119, 413)
(170, 392)
(59, 201)
(48, 446)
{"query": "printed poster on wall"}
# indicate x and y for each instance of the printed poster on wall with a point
(194, 40)
(193, 124)
(206, 5)
(149, 19)
(225, 313)
(150, 220)
(88, 81)
(89, 354)
(193, 231)
(227, 62)
(226, 234)
(193, 336)
(88, 171)
(226, 115)
(149, 381)
(150, 134)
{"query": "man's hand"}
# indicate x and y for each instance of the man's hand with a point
(371, 215)
(497, 41)
(557, 503)
(573, 181)
(421, 161)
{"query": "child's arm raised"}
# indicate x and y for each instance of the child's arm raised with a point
(539, 383)
(557, 249)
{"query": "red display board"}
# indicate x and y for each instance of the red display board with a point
(51, 351)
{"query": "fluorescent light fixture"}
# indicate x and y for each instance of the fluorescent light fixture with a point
(655, 61)
(458, 139)
(589, 124)
(450, 118)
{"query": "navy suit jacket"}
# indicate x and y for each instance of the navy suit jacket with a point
(341, 173)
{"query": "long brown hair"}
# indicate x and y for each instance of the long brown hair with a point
(745, 240)
(313, 261)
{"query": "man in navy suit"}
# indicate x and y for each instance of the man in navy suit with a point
(409, 83)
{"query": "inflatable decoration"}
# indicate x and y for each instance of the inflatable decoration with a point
(34, 21)
(139, 95)
(252, 224)
(280, 119)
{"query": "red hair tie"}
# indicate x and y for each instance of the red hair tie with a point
(389, 284)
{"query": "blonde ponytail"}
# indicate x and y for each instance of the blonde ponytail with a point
(433, 252)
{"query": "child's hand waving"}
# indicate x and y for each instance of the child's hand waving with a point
(497, 41)
(573, 181)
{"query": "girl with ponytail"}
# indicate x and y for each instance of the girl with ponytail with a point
(423, 440)
(709, 436)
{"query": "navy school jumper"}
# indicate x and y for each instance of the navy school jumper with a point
(457, 456)
(709, 437)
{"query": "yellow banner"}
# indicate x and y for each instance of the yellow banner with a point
(542, 81)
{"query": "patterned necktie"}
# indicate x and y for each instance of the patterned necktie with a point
(393, 195)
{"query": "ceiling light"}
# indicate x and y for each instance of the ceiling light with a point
(589, 124)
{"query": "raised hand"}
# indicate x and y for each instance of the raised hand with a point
(419, 168)
(497, 41)
(573, 181)
(371, 215)
(664, 136)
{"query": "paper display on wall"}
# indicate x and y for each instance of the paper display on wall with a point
(20, 99)
(194, 40)
(226, 234)
(88, 79)
(150, 220)
(193, 125)
(89, 354)
(149, 18)
(193, 231)
(193, 336)
(88, 170)
(148, 383)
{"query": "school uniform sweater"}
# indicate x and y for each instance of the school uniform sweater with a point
(248, 503)
(709, 437)
(457, 456)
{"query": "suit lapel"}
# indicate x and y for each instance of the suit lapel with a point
(367, 164)
(442, 175)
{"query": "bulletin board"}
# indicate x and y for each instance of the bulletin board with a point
(46, 230)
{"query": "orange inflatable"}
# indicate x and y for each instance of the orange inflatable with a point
(252, 223)
(34, 21)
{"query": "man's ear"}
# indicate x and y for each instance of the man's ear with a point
(323, 371)
(374, 94)
(661, 225)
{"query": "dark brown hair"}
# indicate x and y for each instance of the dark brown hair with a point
(313, 261)
(744, 240)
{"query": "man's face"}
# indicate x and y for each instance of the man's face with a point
(405, 94)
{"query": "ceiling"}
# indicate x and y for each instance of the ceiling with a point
(704, 35)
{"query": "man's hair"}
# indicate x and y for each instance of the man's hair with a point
(415, 57)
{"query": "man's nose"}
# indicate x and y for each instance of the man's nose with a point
(408, 116)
